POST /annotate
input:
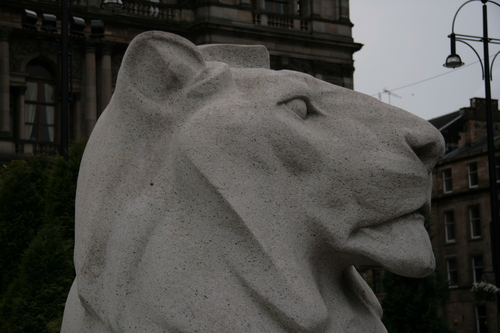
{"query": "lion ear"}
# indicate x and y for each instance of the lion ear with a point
(237, 56)
(158, 63)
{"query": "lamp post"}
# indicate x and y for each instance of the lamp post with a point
(76, 28)
(65, 78)
(65, 70)
(453, 61)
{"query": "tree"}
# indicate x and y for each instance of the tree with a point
(22, 187)
(39, 239)
(35, 300)
(413, 305)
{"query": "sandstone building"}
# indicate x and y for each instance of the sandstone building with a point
(461, 215)
(312, 36)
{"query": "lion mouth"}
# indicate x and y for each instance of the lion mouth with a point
(401, 245)
(392, 227)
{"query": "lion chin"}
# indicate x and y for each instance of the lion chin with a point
(217, 195)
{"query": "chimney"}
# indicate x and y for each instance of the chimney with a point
(474, 127)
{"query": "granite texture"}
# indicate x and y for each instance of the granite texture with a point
(214, 197)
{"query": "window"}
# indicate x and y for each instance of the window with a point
(302, 8)
(475, 222)
(452, 272)
(447, 181)
(481, 319)
(473, 177)
(39, 109)
(449, 224)
(276, 6)
(477, 265)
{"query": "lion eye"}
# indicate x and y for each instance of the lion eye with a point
(299, 106)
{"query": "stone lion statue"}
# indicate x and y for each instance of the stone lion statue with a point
(217, 195)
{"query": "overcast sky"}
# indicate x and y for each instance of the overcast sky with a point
(406, 42)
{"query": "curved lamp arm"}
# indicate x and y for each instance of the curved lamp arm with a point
(477, 54)
(493, 61)
(491, 66)
(466, 37)
(494, 3)
(455, 17)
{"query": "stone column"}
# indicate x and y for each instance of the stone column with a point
(79, 120)
(4, 82)
(90, 90)
(22, 92)
(106, 75)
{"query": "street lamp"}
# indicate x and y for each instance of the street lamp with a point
(453, 61)
(75, 28)
(65, 70)
(65, 78)
(112, 4)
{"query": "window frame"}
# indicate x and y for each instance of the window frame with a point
(40, 105)
(481, 327)
(472, 175)
(447, 176)
(474, 221)
(449, 224)
(453, 271)
(477, 270)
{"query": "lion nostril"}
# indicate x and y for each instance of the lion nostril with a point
(428, 147)
(427, 154)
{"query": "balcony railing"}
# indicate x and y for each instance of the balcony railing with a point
(25, 147)
(150, 9)
(280, 21)
(169, 11)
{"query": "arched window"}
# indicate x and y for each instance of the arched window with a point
(40, 103)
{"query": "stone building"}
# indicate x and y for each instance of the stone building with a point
(312, 36)
(461, 215)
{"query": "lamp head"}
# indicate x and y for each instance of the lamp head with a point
(29, 19)
(49, 23)
(112, 4)
(97, 29)
(77, 26)
(453, 61)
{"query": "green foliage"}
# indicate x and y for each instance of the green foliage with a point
(413, 305)
(61, 189)
(22, 186)
(36, 241)
(37, 295)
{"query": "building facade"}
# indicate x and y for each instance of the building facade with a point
(312, 36)
(461, 215)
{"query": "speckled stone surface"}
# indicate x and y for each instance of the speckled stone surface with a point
(223, 198)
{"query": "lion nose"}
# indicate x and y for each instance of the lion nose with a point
(427, 143)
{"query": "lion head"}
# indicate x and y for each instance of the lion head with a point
(217, 195)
